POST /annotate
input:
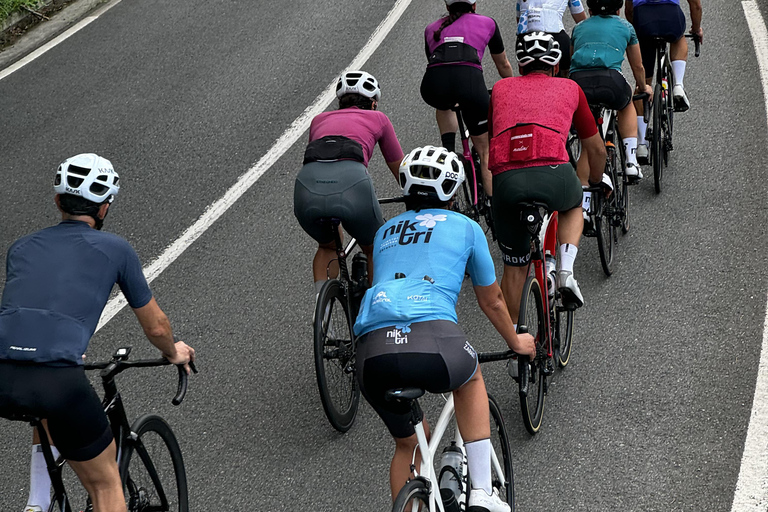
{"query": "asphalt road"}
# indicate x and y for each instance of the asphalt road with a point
(184, 97)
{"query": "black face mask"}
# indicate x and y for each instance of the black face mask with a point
(99, 222)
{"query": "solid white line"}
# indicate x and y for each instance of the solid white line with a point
(752, 487)
(283, 143)
(56, 41)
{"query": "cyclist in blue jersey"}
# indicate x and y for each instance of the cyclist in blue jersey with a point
(407, 326)
(665, 19)
(547, 16)
(58, 281)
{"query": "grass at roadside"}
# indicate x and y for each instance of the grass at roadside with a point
(8, 7)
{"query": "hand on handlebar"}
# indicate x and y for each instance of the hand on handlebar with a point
(184, 355)
(647, 89)
(525, 346)
(605, 184)
(699, 34)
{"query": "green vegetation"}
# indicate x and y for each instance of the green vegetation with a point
(8, 7)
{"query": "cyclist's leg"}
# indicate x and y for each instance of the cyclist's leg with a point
(644, 22)
(39, 479)
(437, 92)
(475, 102)
(101, 479)
(448, 126)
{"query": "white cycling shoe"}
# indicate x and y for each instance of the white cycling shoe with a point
(33, 509)
(681, 99)
(479, 501)
(633, 171)
(569, 288)
(643, 155)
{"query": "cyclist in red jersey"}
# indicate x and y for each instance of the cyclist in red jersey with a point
(529, 121)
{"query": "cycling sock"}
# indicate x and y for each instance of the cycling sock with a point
(479, 463)
(39, 479)
(586, 199)
(642, 127)
(567, 256)
(630, 148)
(678, 66)
(449, 141)
(319, 286)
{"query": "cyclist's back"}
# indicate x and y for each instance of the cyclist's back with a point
(547, 16)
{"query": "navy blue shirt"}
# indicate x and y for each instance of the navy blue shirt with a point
(58, 281)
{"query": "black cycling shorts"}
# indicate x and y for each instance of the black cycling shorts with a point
(444, 86)
(62, 395)
(555, 185)
(663, 20)
(342, 190)
(434, 356)
(604, 87)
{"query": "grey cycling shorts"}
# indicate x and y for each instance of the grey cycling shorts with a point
(341, 189)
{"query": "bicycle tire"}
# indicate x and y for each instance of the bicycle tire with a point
(334, 356)
(503, 483)
(533, 382)
(605, 232)
(667, 122)
(622, 181)
(145, 476)
(416, 489)
(563, 338)
(462, 201)
(656, 140)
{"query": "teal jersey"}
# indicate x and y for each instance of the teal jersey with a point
(600, 43)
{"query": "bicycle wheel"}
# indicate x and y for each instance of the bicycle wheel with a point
(656, 139)
(621, 185)
(667, 117)
(606, 233)
(413, 496)
(462, 201)
(335, 356)
(502, 476)
(152, 468)
(533, 381)
(563, 334)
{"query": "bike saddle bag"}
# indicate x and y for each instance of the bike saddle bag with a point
(333, 147)
(454, 51)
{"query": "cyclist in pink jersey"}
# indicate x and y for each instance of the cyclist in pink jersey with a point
(455, 45)
(529, 121)
(334, 181)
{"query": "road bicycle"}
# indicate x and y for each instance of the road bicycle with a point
(149, 457)
(334, 339)
(420, 492)
(471, 200)
(660, 131)
(543, 314)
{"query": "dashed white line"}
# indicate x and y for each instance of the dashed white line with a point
(752, 487)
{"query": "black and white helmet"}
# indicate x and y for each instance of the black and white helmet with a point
(605, 6)
(358, 82)
(537, 46)
(451, 2)
(433, 168)
(89, 176)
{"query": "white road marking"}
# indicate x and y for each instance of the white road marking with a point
(283, 144)
(752, 487)
(58, 40)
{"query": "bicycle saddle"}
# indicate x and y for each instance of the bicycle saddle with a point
(403, 394)
(333, 221)
(27, 418)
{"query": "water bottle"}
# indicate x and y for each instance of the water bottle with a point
(551, 269)
(451, 469)
(360, 269)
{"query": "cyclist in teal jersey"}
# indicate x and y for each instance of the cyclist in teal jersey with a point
(665, 19)
(407, 326)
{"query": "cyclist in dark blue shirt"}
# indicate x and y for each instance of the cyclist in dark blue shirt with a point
(407, 325)
(58, 281)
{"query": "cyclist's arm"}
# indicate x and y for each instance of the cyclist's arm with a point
(492, 303)
(390, 146)
(158, 331)
(696, 11)
(636, 63)
(594, 148)
(578, 18)
(578, 12)
(628, 12)
(502, 64)
(394, 167)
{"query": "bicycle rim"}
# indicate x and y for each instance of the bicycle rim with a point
(414, 496)
(605, 237)
(335, 357)
(502, 481)
(621, 184)
(563, 335)
(656, 142)
(152, 469)
(533, 381)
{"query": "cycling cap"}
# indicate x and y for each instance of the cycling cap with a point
(358, 82)
(451, 2)
(537, 46)
(434, 168)
(605, 6)
(89, 176)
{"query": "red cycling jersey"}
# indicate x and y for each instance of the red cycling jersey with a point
(530, 118)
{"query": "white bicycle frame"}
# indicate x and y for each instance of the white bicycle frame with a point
(428, 450)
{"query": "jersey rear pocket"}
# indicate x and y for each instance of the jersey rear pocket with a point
(528, 142)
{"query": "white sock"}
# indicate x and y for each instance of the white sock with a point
(586, 199)
(630, 148)
(479, 462)
(515, 326)
(39, 479)
(319, 286)
(567, 256)
(642, 126)
(678, 67)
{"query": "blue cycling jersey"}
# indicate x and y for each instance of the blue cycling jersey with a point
(58, 281)
(433, 249)
(636, 3)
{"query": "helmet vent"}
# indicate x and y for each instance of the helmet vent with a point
(98, 189)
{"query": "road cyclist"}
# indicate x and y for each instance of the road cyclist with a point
(455, 45)
(407, 328)
(58, 281)
(529, 122)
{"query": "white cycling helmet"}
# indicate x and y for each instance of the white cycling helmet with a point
(358, 82)
(451, 2)
(435, 168)
(537, 46)
(89, 176)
